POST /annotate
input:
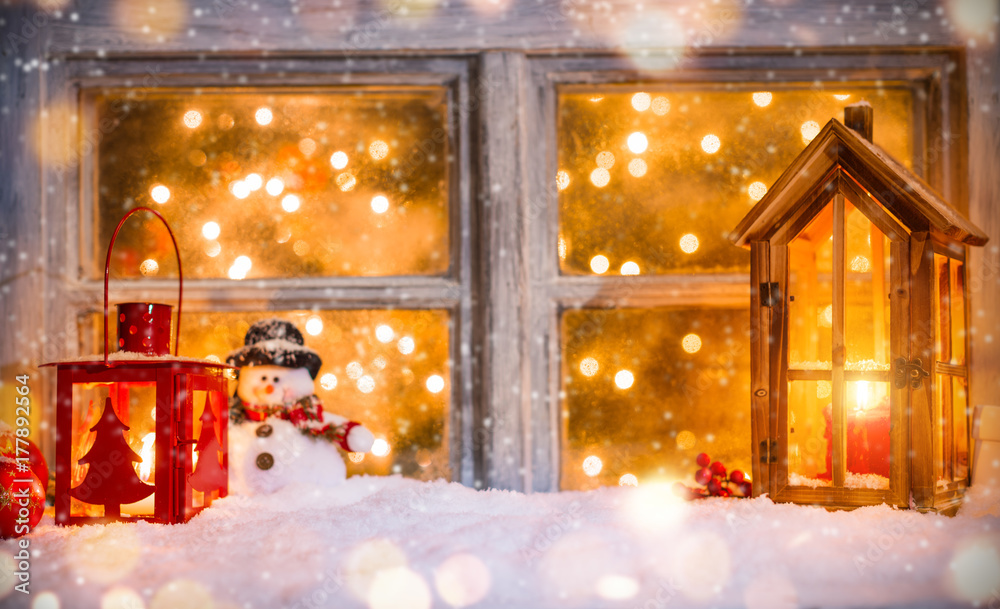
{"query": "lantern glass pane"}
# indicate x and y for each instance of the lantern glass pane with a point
(958, 322)
(659, 178)
(867, 409)
(942, 308)
(960, 410)
(637, 385)
(866, 292)
(126, 455)
(808, 434)
(810, 295)
(386, 369)
(274, 183)
(943, 433)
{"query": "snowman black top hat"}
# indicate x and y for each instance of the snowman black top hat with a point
(275, 342)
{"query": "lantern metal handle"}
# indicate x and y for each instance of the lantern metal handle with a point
(107, 272)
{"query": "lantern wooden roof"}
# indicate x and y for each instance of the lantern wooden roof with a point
(840, 157)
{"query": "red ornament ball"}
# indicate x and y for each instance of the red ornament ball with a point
(703, 460)
(715, 487)
(719, 469)
(22, 500)
(8, 448)
(746, 489)
(736, 476)
(703, 475)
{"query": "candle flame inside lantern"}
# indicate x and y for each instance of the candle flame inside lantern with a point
(146, 454)
(862, 396)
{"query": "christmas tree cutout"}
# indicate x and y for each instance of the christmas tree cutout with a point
(111, 479)
(209, 475)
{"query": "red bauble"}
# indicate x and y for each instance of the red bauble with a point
(8, 448)
(715, 487)
(703, 460)
(719, 469)
(736, 476)
(746, 489)
(703, 475)
(16, 487)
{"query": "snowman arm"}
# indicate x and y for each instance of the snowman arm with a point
(356, 438)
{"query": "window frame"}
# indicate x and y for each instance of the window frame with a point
(940, 162)
(72, 202)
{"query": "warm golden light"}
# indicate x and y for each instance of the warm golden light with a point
(314, 326)
(691, 343)
(599, 264)
(338, 160)
(307, 146)
(624, 379)
(210, 230)
(160, 193)
(637, 142)
(354, 370)
(810, 129)
(356, 457)
(263, 116)
(328, 381)
(628, 480)
(757, 190)
(366, 384)
(661, 105)
(435, 383)
(710, 143)
(689, 243)
(213, 249)
(274, 186)
(562, 180)
(630, 268)
(380, 362)
(600, 177)
(826, 317)
(861, 264)
(841, 97)
(686, 440)
(149, 267)
(823, 389)
(380, 447)
(192, 118)
(380, 204)
(862, 396)
(240, 189)
(637, 167)
(146, 453)
(762, 98)
(290, 203)
(641, 101)
(589, 366)
(384, 333)
(346, 182)
(254, 181)
(405, 345)
(561, 248)
(605, 160)
(592, 465)
(596, 98)
(378, 150)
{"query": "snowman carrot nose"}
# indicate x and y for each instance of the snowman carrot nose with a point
(269, 389)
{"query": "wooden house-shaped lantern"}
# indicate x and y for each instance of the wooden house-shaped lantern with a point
(859, 312)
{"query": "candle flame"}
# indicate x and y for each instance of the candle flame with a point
(146, 453)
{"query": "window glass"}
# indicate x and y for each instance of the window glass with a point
(387, 369)
(653, 181)
(280, 183)
(810, 294)
(646, 390)
(866, 292)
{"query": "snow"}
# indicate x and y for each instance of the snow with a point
(393, 542)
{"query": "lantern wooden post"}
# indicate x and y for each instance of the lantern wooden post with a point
(887, 380)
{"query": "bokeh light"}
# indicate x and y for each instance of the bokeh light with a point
(435, 383)
(630, 268)
(809, 129)
(710, 143)
(380, 204)
(328, 381)
(592, 465)
(405, 345)
(346, 181)
(628, 480)
(617, 587)
(290, 203)
(378, 150)
(354, 370)
(240, 189)
(589, 366)
(686, 440)
(160, 193)
(641, 101)
(263, 116)
(398, 588)
(211, 230)
(338, 160)
(380, 447)
(637, 167)
(689, 243)
(599, 264)
(274, 186)
(384, 333)
(624, 379)
(149, 267)
(192, 118)
(762, 98)
(605, 160)
(861, 264)
(691, 343)
(757, 190)
(314, 325)
(637, 142)
(254, 181)
(562, 180)
(120, 597)
(366, 384)
(661, 105)
(600, 177)
(462, 580)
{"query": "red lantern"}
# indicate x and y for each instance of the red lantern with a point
(141, 434)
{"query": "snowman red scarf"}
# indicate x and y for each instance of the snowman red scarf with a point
(305, 413)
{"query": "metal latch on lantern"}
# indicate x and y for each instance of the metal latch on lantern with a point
(769, 451)
(770, 294)
(911, 372)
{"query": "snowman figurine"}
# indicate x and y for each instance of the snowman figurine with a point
(280, 433)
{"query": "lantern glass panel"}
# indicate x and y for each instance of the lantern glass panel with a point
(277, 183)
(960, 410)
(808, 437)
(810, 291)
(866, 286)
(958, 321)
(658, 177)
(942, 308)
(639, 385)
(134, 405)
(383, 385)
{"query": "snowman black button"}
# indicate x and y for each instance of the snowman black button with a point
(264, 431)
(265, 461)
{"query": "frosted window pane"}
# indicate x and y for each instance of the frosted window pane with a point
(329, 182)
(391, 396)
(646, 390)
(659, 179)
